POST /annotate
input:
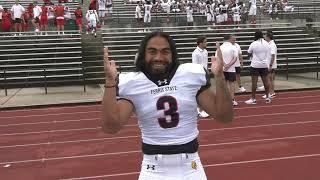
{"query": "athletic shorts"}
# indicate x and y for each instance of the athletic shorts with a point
(230, 76)
(17, 20)
(60, 22)
(259, 71)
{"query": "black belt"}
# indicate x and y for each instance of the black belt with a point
(190, 147)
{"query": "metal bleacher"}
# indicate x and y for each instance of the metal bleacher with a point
(31, 60)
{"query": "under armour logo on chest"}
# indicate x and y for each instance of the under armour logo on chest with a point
(164, 82)
(151, 167)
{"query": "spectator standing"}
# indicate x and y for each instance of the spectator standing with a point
(229, 54)
(92, 19)
(78, 15)
(17, 11)
(44, 19)
(59, 14)
(238, 65)
(253, 11)
(6, 20)
(272, 63)
(102, 10)
(36, 16)
(259, 52)
(200, 56)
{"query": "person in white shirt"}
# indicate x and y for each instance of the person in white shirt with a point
(109, 7)
(236, 14)
(166, 5)
(259, 51)
(147, 13)
(200, 56)
(253, 11)
(138, 14)
(102, 10)
(229, 54)
(272, 63)
(36, 16)
(92, 19)
(189, 12)
(17, 11)
(238, 65)
(164, 94)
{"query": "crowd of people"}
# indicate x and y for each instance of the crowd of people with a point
(18, 19)
(216, 12)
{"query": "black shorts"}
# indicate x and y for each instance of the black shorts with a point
(238, 70)
(230, 76)
(17, 20)
(259, 71)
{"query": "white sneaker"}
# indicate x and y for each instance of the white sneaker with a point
(234, 103)
(251, 101)
(204, 114)
(261, 88)
(273, 95)
(268, 100)
(242, 89)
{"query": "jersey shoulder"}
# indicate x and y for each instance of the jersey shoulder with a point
(192, 68)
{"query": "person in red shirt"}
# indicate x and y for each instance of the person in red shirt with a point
(59, 12)
(6, 20)
(78, 15)
(44, 18)
(93, 5)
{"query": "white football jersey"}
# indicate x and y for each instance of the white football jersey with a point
(166, 109)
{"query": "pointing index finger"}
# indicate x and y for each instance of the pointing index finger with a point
(106, 54)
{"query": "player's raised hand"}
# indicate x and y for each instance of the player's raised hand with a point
(110, 69)
(217, 62)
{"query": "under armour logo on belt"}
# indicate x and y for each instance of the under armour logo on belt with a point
(164, 82)
(151, 167)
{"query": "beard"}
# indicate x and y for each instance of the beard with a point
(157, 69)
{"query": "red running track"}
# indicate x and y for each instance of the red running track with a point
(265, 141)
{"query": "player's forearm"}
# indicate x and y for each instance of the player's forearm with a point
(224, 111)
(110, 112)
